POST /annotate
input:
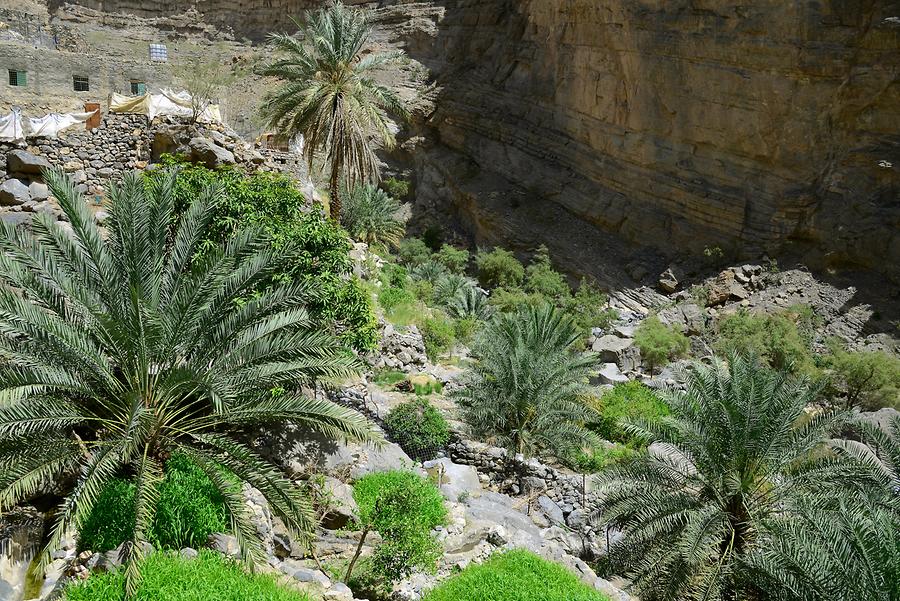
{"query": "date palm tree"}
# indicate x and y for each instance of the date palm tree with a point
(329, 95)
(737, 451)
(118, 350)
(527, 391)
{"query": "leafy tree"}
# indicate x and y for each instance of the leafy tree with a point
(120, 351)
(629, 400)
(438, 335)
(403, 508)
(660, 343)
(204, 77)
(870, 379)
(329, 95)
(499, 268)
(319, 254)
(371, 216)
(510, 300)
(398, 188)
(737, 451)
(454, 259)
(527, 391)
(589, 307)
(413, 252)
(774, 338)
(541, 278)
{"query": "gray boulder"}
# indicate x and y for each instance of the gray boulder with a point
(611, 374)
(342, 507)
(454, 479)
(225, 544)
(21, 161)
(206, 152)
(39, 191)
(14, 192)
(551, 510)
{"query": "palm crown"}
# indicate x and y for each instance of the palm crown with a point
(120, 350)
(329, 95)
(527, 391)
(737, 451)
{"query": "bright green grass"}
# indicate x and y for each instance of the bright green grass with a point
(514, 576)
(388, 377)
(169, 577)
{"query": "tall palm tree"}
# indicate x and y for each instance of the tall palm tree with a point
(118, 351)
(737, 451)
(328, 94)
(528, 388)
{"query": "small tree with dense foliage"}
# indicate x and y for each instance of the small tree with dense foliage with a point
(868, 379)
(122, 349)
(660, 343)
(403, 508)
(499, 267)
(413, 252)
(775, 338)
(541, 278)
(589, 307)
(629, 400)
(737, 451)
(454, 259)
(418, 428)
(527, 391)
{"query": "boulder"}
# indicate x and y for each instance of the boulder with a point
(621, 351)
(454, 480)
(342, 507)
(725, 288)
(39, 191)
(551, 510)
(668, 280)
(611, 374)
(14, 192)
(206, 152)
(21, 161)
(225, 544)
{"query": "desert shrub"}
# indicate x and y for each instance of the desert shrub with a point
(423, 290)
(499, 268)
(510, 300)
(398, 188)
(454, 259)
(541, 278)
(170, 577)
(516, 575)
(189, 510)
(589, 307)
(413, 251)
(403, 508)
(273, 203)
(418, 428)
(774, 338)
(629, 400)
(660, 343)
(867, 379)
(372, 216)
(437, 332)
(391, 297)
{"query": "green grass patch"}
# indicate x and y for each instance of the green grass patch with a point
(514, 576)
(169, 577)
(388, 377)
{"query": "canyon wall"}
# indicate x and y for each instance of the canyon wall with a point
(683, 124)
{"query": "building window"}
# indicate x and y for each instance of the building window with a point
(138, 88)
(159, 53)
(80, 84)
(17, 78)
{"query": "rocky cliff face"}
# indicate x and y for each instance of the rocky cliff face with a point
(764, 126)
(680, 123)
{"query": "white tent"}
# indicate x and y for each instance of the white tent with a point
(11, 127)
(50, 125)
(167, 102)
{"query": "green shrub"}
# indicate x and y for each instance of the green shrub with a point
(595, 459)
(499, 268)
(418, 428)
(391, 297)
(514, 576)
(867, 379)
(413, 251)
(394, 275)
(424, 291)
(398, 188)
(189, 510)
(660, 343)
(774, 338)
(454, 259)
(510, 300)
(370, 215)
(438, 334)
(448, 287)
(169, 577)
(273, 203)
(629, 400)
(589, 307)
(429, 271)
(541, 278)
(403, 508)
(464, 328)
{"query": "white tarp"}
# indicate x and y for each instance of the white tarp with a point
(50, 125)
(11, 127)
(167, 102)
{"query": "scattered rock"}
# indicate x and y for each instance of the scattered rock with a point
(668, 280)
(611, 374)
(39, 191)
(14, 192)
(225, 544)
(210, 154)
(21, 161)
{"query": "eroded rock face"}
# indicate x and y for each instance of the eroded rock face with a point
(673, 123)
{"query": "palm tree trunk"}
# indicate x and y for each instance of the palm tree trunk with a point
(335, 204)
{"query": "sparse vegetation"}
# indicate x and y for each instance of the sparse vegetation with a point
(867, 379)
(660, 343)
(775, 338)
